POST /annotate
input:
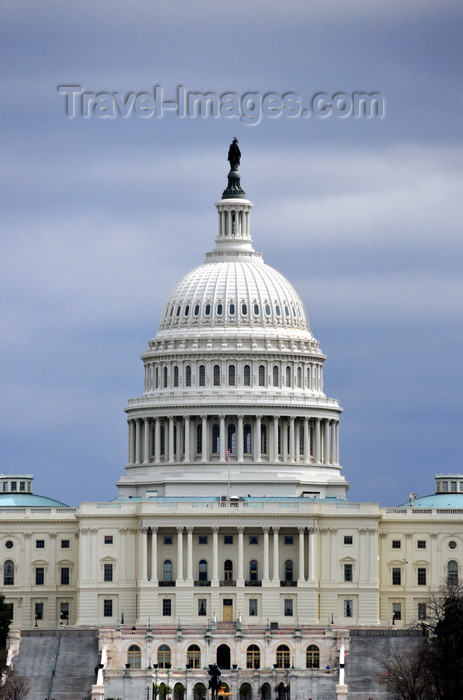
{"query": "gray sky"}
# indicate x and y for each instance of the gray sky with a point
(102, 216)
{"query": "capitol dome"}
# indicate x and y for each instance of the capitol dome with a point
(233, 393)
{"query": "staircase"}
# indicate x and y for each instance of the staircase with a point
(71, 654)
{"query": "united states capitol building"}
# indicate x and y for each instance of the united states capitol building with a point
(232, 540)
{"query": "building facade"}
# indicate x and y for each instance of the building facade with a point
(232, 540)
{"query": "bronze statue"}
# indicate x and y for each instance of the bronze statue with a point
(234, 155)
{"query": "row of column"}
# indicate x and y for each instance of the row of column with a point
(188, 575)
(296, 440)
(233, 222)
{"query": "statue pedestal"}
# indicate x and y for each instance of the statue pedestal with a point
(341, 692)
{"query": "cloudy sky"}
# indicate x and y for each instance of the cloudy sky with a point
(102, 216)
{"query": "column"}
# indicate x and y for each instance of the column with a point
(363, 555)
(275, 439)
(189, 555)
(317, 441)
(137, 441)
(257, 440)
(312, 554)
(146, 441)
(215, 556)
(143, 540)
(434, 570)
(171, 440)
(93, 553)
(154, 555)
(337, 442)
(291, 440)
(326, 441)
(306, 441)
(157, 441)
(186, 439)
(179, 554)
(276, 555)
(239, 447)
(131, 453)
(27, 559)
(266, 555)
(122, 555)
(301, 576)
(204, 447)
(373, 559)
(222, 440)
(334, 573)
(240, 577)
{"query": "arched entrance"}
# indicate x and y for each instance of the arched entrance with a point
(265, 691)
(245, 692)
(179, 691)
(199, 692)
(283, 691)
(223, 657)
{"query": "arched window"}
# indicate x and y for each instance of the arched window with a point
(231, 375)
(247, 375)
(299, 378)
(157, 377)
(263, 438)
(275, 376)
(289, 570)
(207, 310)
(244, 309)
(202, 375)
(219, 309)
(282, 656)
(215, 438)
(253, 656)
(164, 656)
(247, 439)
(164, 377)
(193, 656)
(312, 657)
(202, 570)
(134, 656)
(452, 573)
(288, 376)
(216, 375)
(261, 375)
(196, 311)
(175, 376)
(301, 440)
(188, 375)
(199, 438)
(228, 570)
(162, 444)
(232, 438)
(253, 570)
(231, 309)
(167, 570)
(8, 573)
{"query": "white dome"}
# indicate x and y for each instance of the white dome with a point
(234, 293)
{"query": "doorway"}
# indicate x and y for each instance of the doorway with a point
(223, 657)
(227, 610)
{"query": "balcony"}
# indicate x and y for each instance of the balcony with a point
(253, 583)
(288, 584)
(202, 583)
(227, 582)
(167, 584)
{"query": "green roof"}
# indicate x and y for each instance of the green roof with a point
(28, 500)
(438, 500)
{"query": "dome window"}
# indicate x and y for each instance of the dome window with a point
(216, 375)
(187, 310)
(277, 310)
(188, 375)
(244, 309)
(247, 375)
(231, 309)
(256, 309)
(178, 310)
(207, 310)
(202, 375)
(231, 375)
(286, 311)
(196, 312)
(267, 309)
(261, 375)
(219, 309)
(171, 311)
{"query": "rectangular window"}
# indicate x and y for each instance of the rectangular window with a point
(252, 607)
(108, 539)
(288, 539)
(288, 607)
(422, 611)
(64, 576)
(107, 608)
(13, 486)
(421, 544)
(39, 576)
(348, 539)
(22, 485)
(202, 607)
(64, 611)
(396, 544)
(40, 544)
(166, 607)
(202, 539)
(38, 611)
(167, 539)
(396, 611)
(65, 544)
(347, 572)
(396, 576)
(228, 539)
(253, 539)
(421, 577)
(108, 572)
(348, 608)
